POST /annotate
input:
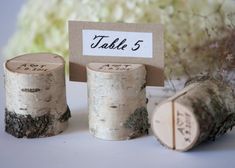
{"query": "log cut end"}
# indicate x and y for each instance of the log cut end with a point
(113, 67)
(175, 125)
(34, 63)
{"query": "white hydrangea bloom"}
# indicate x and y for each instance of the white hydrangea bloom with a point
(43, 24)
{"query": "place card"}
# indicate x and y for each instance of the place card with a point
(116, 43)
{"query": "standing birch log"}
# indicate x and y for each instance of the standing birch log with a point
(117, 100)
(201, 111)
(35, 95)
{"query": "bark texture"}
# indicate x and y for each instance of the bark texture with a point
(26, 126)
(213, 107)
(117, 101)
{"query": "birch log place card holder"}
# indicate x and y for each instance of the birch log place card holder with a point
(35, 95)
(203, 110)
(117, 100)
(118, 61)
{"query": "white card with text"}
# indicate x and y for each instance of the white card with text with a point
(117, 43)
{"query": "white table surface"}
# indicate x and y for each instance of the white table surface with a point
(76, 148)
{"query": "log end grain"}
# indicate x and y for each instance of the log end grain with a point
(175, 126)
(36, 63)
(113, 67)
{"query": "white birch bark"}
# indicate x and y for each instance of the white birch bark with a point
(115, 91)
(35, 87)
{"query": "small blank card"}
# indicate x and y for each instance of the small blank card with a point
(116, 43)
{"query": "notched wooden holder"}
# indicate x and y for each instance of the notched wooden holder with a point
(117, 100)
(201, 111)
(35, 96)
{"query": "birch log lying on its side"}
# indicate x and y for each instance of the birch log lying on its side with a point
(117, 100)
(35, 96)
(202, 111)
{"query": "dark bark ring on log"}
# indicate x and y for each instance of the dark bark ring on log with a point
(34, 127)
